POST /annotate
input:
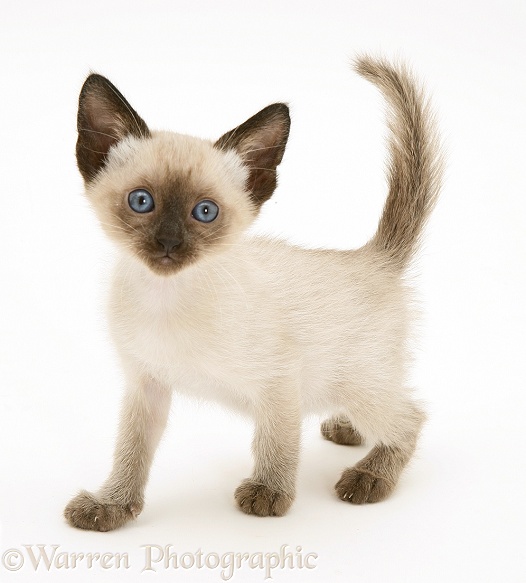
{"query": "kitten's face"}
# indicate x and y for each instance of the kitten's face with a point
(170, 199)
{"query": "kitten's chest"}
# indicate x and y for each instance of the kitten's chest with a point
(171, 334)
(180, 333)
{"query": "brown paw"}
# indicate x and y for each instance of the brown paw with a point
(340, 430)
(255, 498)
(87, 512)
(360, 487)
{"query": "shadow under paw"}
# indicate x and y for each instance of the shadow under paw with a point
(359, 487)
(340, 430)
(258, 499)
(89, 513)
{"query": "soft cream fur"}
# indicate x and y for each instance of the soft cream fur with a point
(272, 330)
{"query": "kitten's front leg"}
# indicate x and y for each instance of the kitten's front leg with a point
(271, 489)
(121, 498)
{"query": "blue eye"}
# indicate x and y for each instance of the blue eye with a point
(205, 211)
(141, 201)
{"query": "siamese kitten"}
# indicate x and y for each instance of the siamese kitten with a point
(273, 330)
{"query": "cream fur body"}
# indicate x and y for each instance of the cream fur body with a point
(335, 320)
(274, 331)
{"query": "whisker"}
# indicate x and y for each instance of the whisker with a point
(130, 226)
(209, 238)
(209, 282)
(243, 292)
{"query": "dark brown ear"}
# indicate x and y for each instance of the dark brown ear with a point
(104, 118)
(260, 142)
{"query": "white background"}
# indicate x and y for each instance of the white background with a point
(203, 67)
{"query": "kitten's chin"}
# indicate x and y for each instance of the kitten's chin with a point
(164, 266)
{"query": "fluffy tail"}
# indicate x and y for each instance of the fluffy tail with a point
(415, 162)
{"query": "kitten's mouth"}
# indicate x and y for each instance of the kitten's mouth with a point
(167, 263)
(166, 260)
(164, 264)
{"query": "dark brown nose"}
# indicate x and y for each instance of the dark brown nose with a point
(169, 245)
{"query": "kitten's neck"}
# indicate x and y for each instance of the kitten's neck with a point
(150, 286)
(192, 284)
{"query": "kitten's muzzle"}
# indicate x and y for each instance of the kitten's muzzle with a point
(169, 245)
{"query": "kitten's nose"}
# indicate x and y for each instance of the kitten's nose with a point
(169, 245)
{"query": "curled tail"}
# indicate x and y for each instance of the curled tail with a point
(415, 162)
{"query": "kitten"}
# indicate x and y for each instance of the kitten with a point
(273, 330)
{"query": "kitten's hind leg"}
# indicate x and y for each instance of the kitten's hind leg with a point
(374, 477)
(340, 430)
(121, 498)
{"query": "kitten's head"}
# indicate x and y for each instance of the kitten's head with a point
(170, 199)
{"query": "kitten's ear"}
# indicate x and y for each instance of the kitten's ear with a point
(260, 142)
(104, 118)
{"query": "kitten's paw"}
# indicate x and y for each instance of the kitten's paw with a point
(339, 430)
(359, 487)
(255, 498)
(89, 513)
